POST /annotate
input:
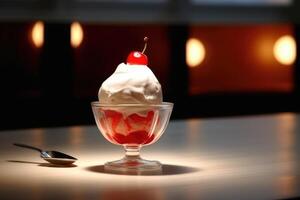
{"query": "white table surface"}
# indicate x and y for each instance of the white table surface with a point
(254, 157)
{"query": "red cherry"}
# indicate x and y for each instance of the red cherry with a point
(137, 58)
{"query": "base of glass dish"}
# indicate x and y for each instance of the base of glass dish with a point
(133, 165)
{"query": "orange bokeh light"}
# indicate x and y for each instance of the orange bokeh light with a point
(77, 34)
(37, 34)
(195, 52)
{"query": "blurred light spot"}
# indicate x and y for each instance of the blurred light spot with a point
(193, 133)
(76, 136)
(287, 185)
(286, 130)
(37, 136)
(195, 52)
(37, 34)
(76, 34)
(285, 50)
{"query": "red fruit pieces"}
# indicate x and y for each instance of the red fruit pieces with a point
(115, 118)
(119, 138)
(115, 121)
(137, 122)
(137, 137)
(133, 129)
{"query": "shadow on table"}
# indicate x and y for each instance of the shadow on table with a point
(166, 170)
(42, 164)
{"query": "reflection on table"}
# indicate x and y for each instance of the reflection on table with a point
(254, 157)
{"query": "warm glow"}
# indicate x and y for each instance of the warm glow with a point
(285, 50)
(195, 52)
(76, 34)
(37, 34)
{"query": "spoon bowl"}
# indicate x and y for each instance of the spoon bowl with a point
(58, 158)
(53, 157)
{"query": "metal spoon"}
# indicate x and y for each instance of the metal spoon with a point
(54, 157)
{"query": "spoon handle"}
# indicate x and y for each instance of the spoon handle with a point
(28, 147)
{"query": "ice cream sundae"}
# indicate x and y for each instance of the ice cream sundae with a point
(131, 83)
(131, 111)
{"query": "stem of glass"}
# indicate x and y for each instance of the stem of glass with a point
(132, 151)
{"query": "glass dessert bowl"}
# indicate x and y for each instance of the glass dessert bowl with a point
(132, 126)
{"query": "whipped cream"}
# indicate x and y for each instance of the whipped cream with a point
(131, 84)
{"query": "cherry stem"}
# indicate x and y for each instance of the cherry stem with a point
(145, 46)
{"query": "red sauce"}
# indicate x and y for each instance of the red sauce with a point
(133, 129)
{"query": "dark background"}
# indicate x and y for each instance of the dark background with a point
(53, 85)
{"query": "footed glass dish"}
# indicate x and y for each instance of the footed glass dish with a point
(132, 126)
